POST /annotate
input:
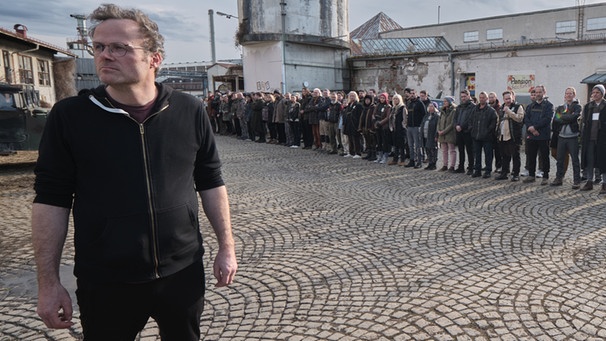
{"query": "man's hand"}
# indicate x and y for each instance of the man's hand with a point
(55, 307)
(225, 267)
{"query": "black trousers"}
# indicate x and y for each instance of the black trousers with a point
(510, 151)
(540, 147)
(465, 143)
(119, 311)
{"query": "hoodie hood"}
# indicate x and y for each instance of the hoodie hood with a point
(100, 97)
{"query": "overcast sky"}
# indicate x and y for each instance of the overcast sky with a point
(185, 23)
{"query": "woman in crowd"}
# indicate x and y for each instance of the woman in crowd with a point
(447, 135)
(351, 119)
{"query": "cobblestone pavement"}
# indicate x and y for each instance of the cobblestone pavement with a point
(341, 249)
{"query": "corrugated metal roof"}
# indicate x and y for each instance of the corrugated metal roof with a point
(390, 46)
(596, 78)
(372, 28)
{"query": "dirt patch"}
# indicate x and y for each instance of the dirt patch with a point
(17, 171)
(29, 156)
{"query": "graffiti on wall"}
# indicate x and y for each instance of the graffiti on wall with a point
(263, 86)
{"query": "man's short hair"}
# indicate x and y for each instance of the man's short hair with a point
(154, 41)
(466, 91)
(509, 92)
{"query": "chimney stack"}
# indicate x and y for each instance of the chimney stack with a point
(21, 30)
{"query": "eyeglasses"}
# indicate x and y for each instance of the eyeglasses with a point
(115, 49)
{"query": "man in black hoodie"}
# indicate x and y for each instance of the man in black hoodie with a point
(130, 156)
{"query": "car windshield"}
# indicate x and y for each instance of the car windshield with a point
(7, 102)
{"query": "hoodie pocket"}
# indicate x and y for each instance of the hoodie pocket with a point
(125, 240)
(178, 232)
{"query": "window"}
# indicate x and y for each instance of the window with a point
(596, 23)
(26, 72)
(469, 37)
(495, 33)
(566, 26)
(43, 72)
(8, 73)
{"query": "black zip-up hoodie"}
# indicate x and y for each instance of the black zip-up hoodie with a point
(133, 185)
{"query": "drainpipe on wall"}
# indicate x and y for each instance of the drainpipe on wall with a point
(30, 50)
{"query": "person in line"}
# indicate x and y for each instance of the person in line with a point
(593, 138)
(509, 136)
(332, 119)
(382, 133)
(483, 124)
(294, 121)
(397, 127)
(366, 127)
(351, 119)
(538, 127)
(416, 113)
(240, 109)
(306, 130)
(447, 136)
(429, 135)
(565, 127)
(137, 238)
(463, 128)
(493, 101)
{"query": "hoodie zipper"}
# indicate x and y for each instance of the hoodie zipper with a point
(152, 211)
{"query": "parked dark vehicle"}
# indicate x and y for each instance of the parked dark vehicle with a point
(21, 118)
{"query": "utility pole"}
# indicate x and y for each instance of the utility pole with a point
(283, 12)
(211, 20)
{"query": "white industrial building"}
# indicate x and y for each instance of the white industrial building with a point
(286, 46)
(557, 48)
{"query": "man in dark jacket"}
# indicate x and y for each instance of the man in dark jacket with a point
(416, 112)
(130, 156)
(483, 124)
(593, 138)
(462, 126)
(538, 125)
(565, 126)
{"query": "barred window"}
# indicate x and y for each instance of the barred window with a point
(26, 71)
(43, 72)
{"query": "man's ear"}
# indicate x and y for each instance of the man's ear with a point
(156, 60)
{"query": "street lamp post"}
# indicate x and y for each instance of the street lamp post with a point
(211, 20)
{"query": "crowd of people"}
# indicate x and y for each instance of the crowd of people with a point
(408, 130)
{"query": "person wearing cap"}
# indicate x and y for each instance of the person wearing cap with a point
(483, 123)
(593, 138)
(538, 126)
(447, 136)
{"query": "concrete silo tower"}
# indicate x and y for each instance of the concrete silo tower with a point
(287, 43)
